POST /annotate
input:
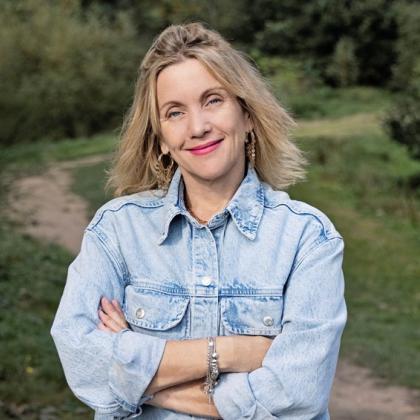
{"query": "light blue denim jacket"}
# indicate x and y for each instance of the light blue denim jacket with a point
(265, 265)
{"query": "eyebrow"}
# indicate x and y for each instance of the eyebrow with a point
(205, 93)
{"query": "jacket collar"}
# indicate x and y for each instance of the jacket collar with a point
(245, 207)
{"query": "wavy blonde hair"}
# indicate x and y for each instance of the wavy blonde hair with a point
(279, 162)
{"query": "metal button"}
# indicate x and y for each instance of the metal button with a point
(140, 313)
(206, 281)
(268, 321)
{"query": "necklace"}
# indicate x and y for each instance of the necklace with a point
(203, 222)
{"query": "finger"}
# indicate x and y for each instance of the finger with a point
(109, 322)
(102, 327)
(109, 309)
(118, 307)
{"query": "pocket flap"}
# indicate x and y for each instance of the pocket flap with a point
(253, 315)
(152, 309)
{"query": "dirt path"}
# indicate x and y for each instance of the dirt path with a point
(46, 207)
(50, 211)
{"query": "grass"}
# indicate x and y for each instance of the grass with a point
(357, 177)
(356, 181)
(33, 157)
(321, 102)
(86, 180)
(32, 276)
(302, 93)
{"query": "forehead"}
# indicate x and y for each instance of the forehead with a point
(187, 79)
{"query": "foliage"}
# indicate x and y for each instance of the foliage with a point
(64, 71)
(314, 30)
(344, 68)
(403, 120)
(407, 68)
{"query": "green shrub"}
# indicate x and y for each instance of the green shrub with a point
(65, 71)
(312, 31)
(344, 67)
(407, 68)
(403, 120)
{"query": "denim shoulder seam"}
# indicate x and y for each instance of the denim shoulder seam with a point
(152, 204)
(324, 229)
(113, 256)
(319, 242)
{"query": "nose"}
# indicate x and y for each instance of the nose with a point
(199, 125)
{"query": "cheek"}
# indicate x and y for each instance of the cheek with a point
(232, 122)
(170, 137)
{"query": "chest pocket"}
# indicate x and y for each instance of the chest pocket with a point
(156, 313)
(251, 315)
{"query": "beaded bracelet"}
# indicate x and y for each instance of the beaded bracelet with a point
(213, 369)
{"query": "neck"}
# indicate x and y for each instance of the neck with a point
(206, 198)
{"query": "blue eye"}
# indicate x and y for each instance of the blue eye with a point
(173, 114)
(214, 100)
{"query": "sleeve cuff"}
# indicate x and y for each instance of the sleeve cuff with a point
(235, 400)
(136, 358)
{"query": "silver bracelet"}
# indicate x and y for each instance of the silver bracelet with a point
(213, 368)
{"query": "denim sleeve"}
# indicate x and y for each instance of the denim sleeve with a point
(297, 372)
(107, 371)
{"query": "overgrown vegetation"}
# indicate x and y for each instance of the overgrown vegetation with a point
(64, 71)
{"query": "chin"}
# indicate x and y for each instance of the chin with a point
(208, 174)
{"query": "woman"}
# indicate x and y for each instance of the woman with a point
(231, 292)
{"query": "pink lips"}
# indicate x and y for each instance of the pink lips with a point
(207, 149)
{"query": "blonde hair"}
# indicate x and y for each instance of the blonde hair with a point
(279, 162)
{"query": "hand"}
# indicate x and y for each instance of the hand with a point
(111, 316)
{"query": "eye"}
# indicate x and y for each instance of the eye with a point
(214, 100)
(173, 114)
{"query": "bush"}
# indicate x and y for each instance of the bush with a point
(316, 31)
(407, 68)
(344, 68)
(403, 120)
(65, 71)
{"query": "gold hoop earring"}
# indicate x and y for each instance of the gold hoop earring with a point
(163, 173)
(250, 148)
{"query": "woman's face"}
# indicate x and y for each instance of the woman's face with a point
(196, 111)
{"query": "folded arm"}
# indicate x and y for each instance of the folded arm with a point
(115, 373)
(180, 357)
(297, 372)
(108, 372)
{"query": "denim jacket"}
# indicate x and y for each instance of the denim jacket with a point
(265, 265)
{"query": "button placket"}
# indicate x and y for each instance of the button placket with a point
(205, 269)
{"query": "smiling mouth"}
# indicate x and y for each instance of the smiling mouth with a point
(204, 146)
